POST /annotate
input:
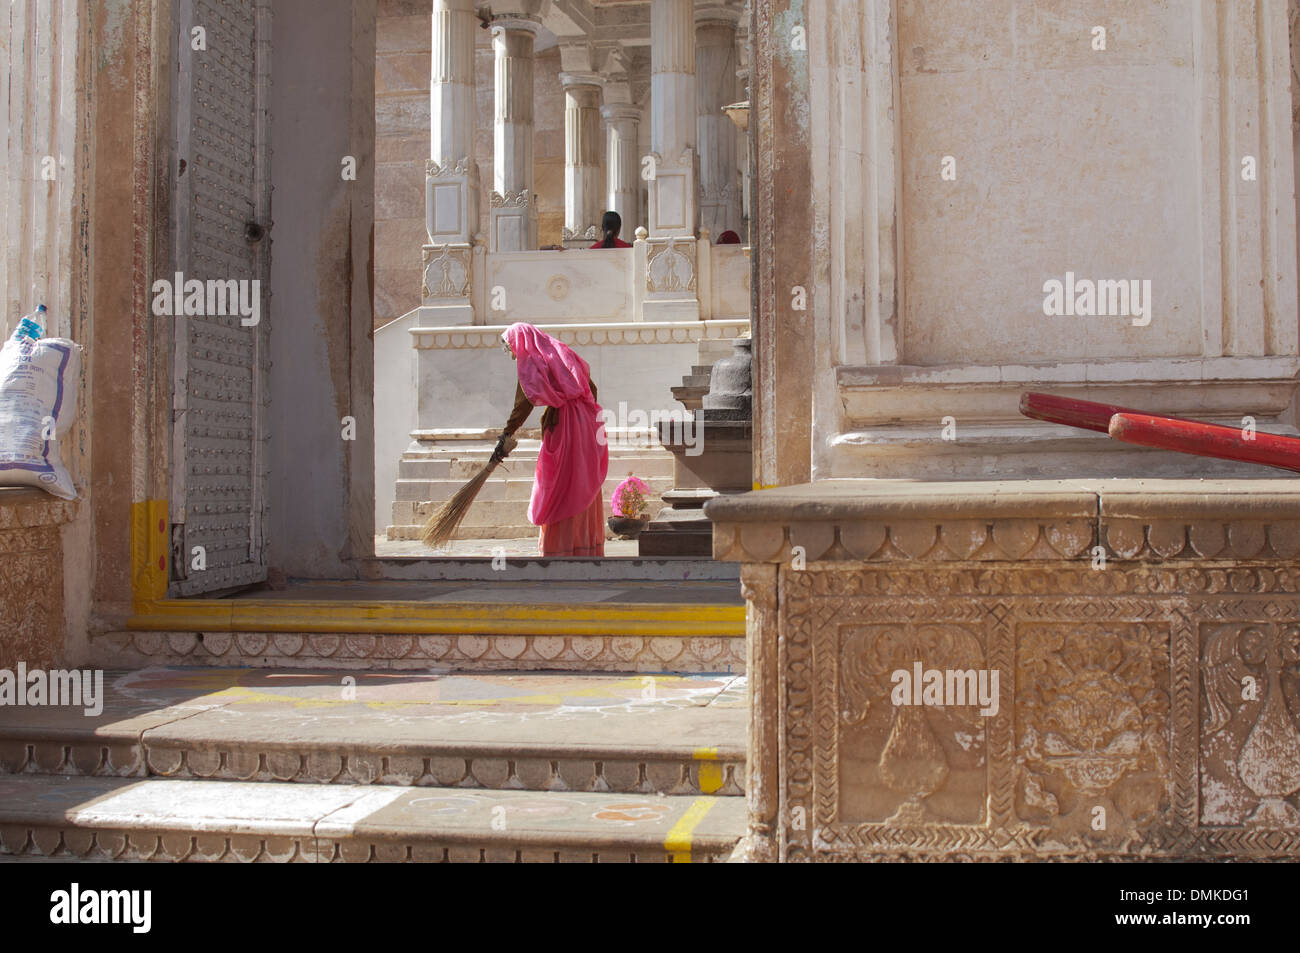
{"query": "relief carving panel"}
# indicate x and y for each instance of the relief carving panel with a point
(1122, 729)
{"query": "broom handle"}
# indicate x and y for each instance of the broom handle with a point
(523, 407)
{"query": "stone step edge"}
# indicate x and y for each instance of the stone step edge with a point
(469, 765)
(28, 828)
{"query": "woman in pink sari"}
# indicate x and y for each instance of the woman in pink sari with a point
(567, 491)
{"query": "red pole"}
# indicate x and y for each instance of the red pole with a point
(1086, 414)
(1206, 440)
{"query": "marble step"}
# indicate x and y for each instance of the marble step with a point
(195, 821)
(558, 732)
(511, 488)
(464, 464)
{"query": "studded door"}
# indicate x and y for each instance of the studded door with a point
(221, 258)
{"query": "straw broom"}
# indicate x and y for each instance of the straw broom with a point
(443, 524)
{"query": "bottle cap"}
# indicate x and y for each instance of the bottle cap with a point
(40, 308)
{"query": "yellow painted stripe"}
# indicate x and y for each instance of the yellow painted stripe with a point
(153, 611)
(422, 618)
(710, 773)
(149, 546)
(678, 841)
(765, 486)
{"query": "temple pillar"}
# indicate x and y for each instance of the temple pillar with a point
(673, 210)
(623, 165)
(715, 60)
(513, 217)
(583, 188)
(451, 174)
(671, 266)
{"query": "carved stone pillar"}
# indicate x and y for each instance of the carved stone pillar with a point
(513, 217)
(758, 584)
(715, 60)
(451, 175)
(583, 187)
(673, 210)
(623, 165)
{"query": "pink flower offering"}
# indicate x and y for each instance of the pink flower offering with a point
(629, 498)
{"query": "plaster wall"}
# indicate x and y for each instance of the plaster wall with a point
(321, 278)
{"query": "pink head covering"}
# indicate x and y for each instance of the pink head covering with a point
(574, 458)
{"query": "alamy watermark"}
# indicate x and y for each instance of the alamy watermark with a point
(59, 688)
(625, 426)
(1125, 297)
(946, 688)
(75, 905)
(207, 298)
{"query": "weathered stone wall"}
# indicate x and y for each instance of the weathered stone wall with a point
(920, 183)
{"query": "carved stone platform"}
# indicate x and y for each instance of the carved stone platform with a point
(1146, 635)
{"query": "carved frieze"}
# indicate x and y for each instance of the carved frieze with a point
(446, 271)
(591, 232)
(435, 171)
(520, 199)
(1096, 748)
(670, 266)
(1250, 726)
(31, 590)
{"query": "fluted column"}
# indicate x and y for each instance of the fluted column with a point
(623, 164)
(673, 208)
(513, 218)
(451, 174)
(715, 87)
(583, 188)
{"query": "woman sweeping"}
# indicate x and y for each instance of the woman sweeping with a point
(567, 499)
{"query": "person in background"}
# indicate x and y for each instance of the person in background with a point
(611, 223)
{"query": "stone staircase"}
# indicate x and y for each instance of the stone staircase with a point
(294, 765)
(428, 478)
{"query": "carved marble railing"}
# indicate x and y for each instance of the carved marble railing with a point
(1146, 635)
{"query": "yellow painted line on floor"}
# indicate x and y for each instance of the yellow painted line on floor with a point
(710, 772)
(678, 841)
(153, 611)
(422, 618)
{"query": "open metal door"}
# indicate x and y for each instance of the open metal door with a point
(221, 263)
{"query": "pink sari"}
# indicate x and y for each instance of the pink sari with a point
(567, 499)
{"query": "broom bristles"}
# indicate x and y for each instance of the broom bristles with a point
(442, 525)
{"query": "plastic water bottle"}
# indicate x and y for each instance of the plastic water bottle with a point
(32, 326)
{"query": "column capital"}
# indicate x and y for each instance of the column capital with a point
(570, 79)
(514, 23)
(620, 111)
(719, 13)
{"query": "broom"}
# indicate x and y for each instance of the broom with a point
(443, 524)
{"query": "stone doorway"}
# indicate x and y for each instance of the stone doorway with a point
(540, 119)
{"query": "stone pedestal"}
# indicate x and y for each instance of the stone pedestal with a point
(712, 455)
(1141, 633)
